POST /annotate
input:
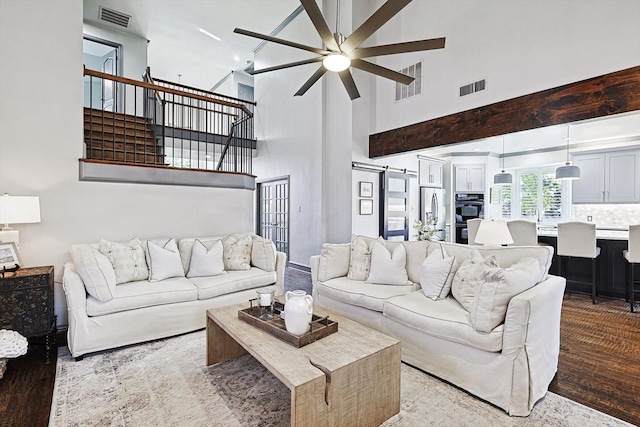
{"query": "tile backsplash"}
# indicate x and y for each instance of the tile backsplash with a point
(619, 215)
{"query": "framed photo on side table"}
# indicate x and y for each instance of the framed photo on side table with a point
(366, 207)
(9, 256)
(366, 189)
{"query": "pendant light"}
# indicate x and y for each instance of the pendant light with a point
(502, 178)
(568, 171)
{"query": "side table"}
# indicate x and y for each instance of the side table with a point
(26, 304)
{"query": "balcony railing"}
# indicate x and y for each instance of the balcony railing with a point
(155, 122)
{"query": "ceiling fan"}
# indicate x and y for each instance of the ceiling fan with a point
(339, 54)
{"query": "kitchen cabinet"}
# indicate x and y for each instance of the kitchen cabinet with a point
(430, 173)
(607, 177)
(469, 178)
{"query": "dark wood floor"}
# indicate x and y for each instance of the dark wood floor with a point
(599, 365)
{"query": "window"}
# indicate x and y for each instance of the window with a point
(536, 194)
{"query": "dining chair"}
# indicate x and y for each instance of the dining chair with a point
(632, 255)
(523, 232)
(577, 239)
(472, 230)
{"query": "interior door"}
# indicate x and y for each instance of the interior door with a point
(394, 221)
(273, 212)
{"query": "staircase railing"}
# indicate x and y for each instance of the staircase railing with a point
(163, 123)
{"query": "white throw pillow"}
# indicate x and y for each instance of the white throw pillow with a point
(128, 260)
(237, 251)
(469, 276)
(96, 271)
(497, 288)
(334, 261)
(388, 268)
(359, 258)
(164, 260)
(436, 275)
(263, 254)
(206, 261)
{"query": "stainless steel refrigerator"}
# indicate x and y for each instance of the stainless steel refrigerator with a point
(432, 206)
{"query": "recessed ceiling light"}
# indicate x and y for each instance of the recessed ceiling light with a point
(236, 58)
(207, 33)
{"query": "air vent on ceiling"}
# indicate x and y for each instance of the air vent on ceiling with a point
(114, 17)
(473, 87)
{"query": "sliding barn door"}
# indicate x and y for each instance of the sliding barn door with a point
(394, 206)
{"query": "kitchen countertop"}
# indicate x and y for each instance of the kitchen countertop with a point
(602, 232)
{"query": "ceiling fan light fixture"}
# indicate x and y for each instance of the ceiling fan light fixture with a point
(336, 62)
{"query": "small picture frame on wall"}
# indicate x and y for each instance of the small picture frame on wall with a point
(366, 189)
(9, 256)
(366, 207)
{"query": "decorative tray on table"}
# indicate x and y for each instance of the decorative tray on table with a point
(320, 327)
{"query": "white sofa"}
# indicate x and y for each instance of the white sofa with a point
(103, 315)
(511, 366)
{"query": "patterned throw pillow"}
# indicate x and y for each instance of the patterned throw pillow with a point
(237, 252)
(469, 277)
(128, 260)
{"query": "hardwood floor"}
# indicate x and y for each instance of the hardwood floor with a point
(599, 364)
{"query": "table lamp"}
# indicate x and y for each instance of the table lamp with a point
(17, 210)
(493, 233)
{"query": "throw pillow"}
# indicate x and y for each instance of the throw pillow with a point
(237, 251)
(388, 268)
(206, 261)
(128, 260)
(359, 259)
(263, 254)
(436, 275)
(497, 288)
(469, 276)
(96, 271)
(164, 260)
(334, 261)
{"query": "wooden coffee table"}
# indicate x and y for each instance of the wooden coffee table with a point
(351, 377)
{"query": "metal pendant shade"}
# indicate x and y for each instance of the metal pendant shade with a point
(502, 178)
(568, 171)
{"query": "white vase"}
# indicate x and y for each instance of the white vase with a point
(298, 309)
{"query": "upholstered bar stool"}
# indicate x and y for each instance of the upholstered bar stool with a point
(472, 230)
(523, 233)
(578, 240)
(632, 255)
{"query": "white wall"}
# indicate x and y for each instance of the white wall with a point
(41, 141)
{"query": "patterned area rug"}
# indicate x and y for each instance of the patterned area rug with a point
(166, 383)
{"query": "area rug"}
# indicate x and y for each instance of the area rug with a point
(166, 383)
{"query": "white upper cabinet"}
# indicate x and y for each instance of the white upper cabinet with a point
(469, 178)
(430, 173)
(612, 177)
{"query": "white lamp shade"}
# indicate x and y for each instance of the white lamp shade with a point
(493, 233)
(19, 209)
(502, 178)
(568, 172)
(336, 62)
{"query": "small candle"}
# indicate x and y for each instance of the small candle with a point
(265, 300)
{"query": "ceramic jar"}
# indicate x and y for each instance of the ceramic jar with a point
(298, 309)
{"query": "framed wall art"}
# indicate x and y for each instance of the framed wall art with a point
(366, 207)
(366, 189)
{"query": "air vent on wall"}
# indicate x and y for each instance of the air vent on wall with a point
(473, 87)
(114, 17)
(415, 87)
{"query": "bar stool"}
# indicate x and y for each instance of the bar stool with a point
(523, 233)
(578, 239)
(632, 255)
(472, 230)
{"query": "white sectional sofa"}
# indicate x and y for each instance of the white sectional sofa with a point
(507, 357)
(125, 293)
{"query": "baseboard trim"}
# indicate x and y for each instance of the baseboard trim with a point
(299, 267)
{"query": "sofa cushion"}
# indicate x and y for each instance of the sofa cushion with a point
(497, 288)
(469, 276)
(388, 268)
(437, 275)
(237, 251)
(334, 261)
(164, 260)
(263, 253)
(96, 271)
(445, 319)
(206, 260)
(233, 281)
(357, 292)
(417, 251)
(140, 294)
(127, 259)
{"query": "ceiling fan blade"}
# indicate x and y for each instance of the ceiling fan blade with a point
(375, 21)
(281, 41)
(391, 49)
(314, 78)
(288, 65)
(349, 84)
(312, 9)
(381, 71)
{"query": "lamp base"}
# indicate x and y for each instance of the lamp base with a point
(10, 235)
